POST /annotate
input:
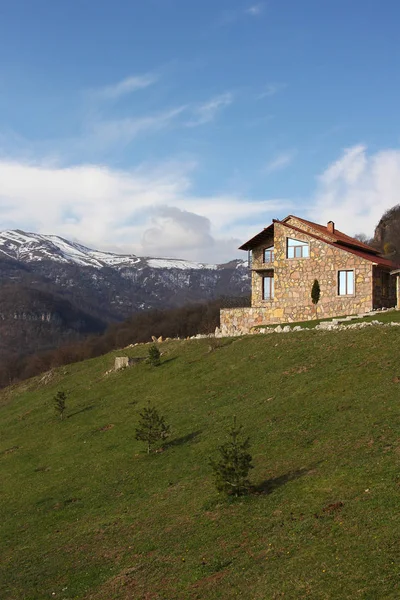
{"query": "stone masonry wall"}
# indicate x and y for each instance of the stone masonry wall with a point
(308, 229)
(241, 320)
(293, 282)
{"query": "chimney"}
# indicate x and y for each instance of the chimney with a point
(331, 227)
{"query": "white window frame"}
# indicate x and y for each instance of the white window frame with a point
(271, 251)
(301, 245)
(346, 292)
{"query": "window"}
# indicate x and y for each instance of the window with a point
(346, 283)
(297, 249)
(268, 287)
(269, 255)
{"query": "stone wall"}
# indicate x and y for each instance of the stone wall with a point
(235, 321)
(309, 229)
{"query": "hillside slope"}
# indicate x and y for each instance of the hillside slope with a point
(86, 514)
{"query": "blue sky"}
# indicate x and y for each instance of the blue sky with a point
(181, 128)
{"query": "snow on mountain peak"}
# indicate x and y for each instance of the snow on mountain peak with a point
(34, 247)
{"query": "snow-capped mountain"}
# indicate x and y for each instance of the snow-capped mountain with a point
(112, 286)
(33, 247)
(55, 291)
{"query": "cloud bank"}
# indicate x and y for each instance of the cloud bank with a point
(153, 211)
(357, 189)
(146, 211)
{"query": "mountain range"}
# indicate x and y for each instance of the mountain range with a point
(54, 290)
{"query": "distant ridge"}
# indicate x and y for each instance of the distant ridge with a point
(33, 247)
(96, 287)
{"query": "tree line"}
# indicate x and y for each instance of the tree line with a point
(181, 322)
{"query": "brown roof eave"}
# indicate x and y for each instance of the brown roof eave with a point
(258, 239)
(357, 247)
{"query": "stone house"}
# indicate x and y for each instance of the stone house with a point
(289, 255)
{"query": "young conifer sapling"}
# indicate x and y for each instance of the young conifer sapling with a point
(154, 357)
(60, 403)
(232, 466)
(152, 427)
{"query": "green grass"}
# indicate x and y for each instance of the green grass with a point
(86, 514)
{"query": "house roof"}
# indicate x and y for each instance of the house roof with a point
(337, 240)
(337, 236)
(379, 260)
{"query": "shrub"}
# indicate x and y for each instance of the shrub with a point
(315, 294)
(232, 467)
(60, 403)
(154, 357)
(152, 427)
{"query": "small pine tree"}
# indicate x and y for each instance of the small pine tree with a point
(315, 294)
(152, 427)
(60, 403)
(232, 467)
(154, 357)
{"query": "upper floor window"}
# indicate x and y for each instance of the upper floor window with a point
(346, 283)
(268, 255)
(297, 249)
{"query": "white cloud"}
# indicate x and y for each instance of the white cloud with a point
(204, 113)
(357, 189)
(255, 10)
(173, 229)
(107, 132)
(230, 16)
(270, 90)
(101, 133)
(279, 162)
(144, 211)
(125, 86)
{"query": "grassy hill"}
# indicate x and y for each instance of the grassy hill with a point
(86, 514)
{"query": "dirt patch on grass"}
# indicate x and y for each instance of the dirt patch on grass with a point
(298, 370)
(9, 450)
(209, 582)
(106, 427)
(24, 415)
(128, 584)
(333, 508)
